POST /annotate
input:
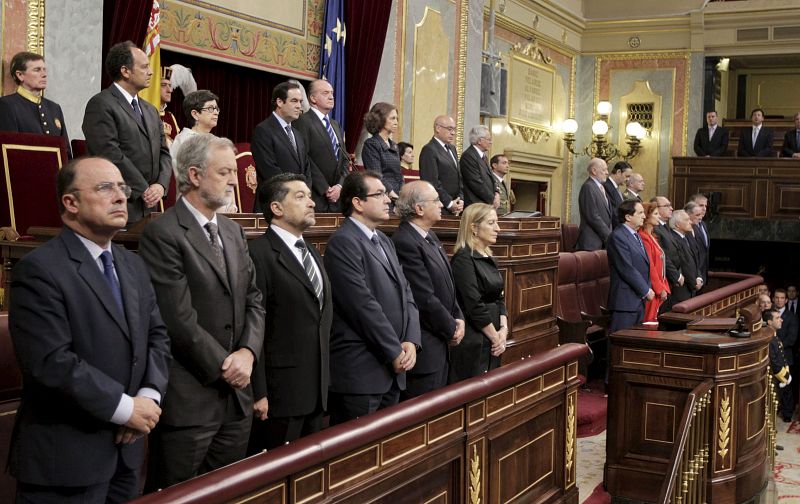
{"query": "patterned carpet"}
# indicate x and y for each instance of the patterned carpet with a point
(784, 489)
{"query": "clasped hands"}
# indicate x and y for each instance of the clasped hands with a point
(152, 195)
(458, 334)
(407, 358)
(144, 417)
(499, 342)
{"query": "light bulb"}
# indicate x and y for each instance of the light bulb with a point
(604, 108)
(569, 126)
(600, 127)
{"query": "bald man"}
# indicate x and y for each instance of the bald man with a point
(438, 164)
(594, 208)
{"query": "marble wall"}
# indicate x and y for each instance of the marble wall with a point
(73, 51)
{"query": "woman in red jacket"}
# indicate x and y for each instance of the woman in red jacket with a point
(658, 277)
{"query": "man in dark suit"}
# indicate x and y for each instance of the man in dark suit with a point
(663, 235)
(206, 286)
(27, 111)
(788, 336)
(438, 164)
(277, 145)
(791, 299)
(375, 334)
(92, 347)
(619, 175)
(480, 186)
(594, 208)
(677, 250)
(325, 141)
(427, 269)
(755, 141)
(711, 140)
(128, 131)
(699, 236)
(291, 379)
(630, 269)
(791, 140)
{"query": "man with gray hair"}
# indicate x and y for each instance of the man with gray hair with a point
(791, 140)
(427, 270)
(676, 248)
(438, 164)
(205, 283)
(635, 186)
(480, 186)
(595, 208)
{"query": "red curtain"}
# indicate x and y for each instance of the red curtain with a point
(244, 93)
(124, 21)
(366, 21)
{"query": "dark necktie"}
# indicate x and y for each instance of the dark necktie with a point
(111, 279)
(450, 153)
(429, 239)
(291, 137)
(215, 247)
(331, 135)
(377, 242)
(797, 140)
(137, 112)
(641, 245)
(316, 283)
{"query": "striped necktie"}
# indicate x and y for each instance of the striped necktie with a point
(308, 266)
(331, 134)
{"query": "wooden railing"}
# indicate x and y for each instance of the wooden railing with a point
(687, 475)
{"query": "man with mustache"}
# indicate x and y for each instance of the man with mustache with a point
(206, 286)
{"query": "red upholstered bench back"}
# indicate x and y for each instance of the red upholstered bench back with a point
(246, 190)
(568, 307)
(569, 237)
(604, 276)
(589, 291)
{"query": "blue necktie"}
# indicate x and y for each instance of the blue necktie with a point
(641, 245)
(111, 279)
(331, 134)
(137, 112)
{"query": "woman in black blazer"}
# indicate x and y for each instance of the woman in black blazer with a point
(479, 287)
(379, 152)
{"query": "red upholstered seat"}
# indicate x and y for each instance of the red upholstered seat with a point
(571, 325)
(246, 190)
(604, 278)
(569, 237)
(589, 270)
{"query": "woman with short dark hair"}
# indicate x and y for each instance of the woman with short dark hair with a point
(379, 152)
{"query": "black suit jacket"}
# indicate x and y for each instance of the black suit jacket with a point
(790, 143)
(788, 334)
(273, 153)
(140, 153)
(680, 254)
(20, 115)
(663, 235)
(328, 168)
(614, 199)
(208, 314)
(702, 249)
(293, 370)
(78, 354)
(763, 146)
(374, 311)
(427, 269)
(479, 182)
(716, 146)
(437, 167)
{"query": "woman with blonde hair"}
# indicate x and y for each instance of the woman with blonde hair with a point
(658, 274)
(479, 288)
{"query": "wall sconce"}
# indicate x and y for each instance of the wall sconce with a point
(599, 146)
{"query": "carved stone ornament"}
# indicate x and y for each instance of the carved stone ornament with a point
(529, 134)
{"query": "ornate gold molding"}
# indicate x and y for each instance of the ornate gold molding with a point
(463, 23)
(724, 428)
(475, 476)
(529, 134)
(533, 51)
(34, 22)
(569, 454)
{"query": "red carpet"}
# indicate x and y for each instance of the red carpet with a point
(592, 409)
(599, 496)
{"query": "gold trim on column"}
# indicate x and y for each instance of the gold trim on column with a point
(724, 428)
(567, 203)
(571, 441)
(34, 22)
(475, 476)
(463, 22)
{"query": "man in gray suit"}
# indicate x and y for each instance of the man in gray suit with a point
(594, 207)
(127, 130)
(205, 283)
(375, 334)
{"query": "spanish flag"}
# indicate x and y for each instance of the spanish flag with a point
(152, 47)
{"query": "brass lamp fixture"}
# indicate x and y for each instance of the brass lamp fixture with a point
(600, 147)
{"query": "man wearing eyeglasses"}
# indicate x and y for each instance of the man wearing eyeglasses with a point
(92, 347)
(127, 130)
(438, 164)
(375, 334)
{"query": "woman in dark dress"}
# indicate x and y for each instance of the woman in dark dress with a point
(379, 152)
(479, 287)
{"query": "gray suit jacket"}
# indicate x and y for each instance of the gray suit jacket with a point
(141, 154)
(208, 314)
(374, 312)
(595, 225)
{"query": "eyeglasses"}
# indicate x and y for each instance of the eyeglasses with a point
(109, 189)
(211, 109)
(668, 205)
(451, 129)
(435, 200)
(379, 195)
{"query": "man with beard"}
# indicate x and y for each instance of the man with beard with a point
(206, 287)
(290, 382)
